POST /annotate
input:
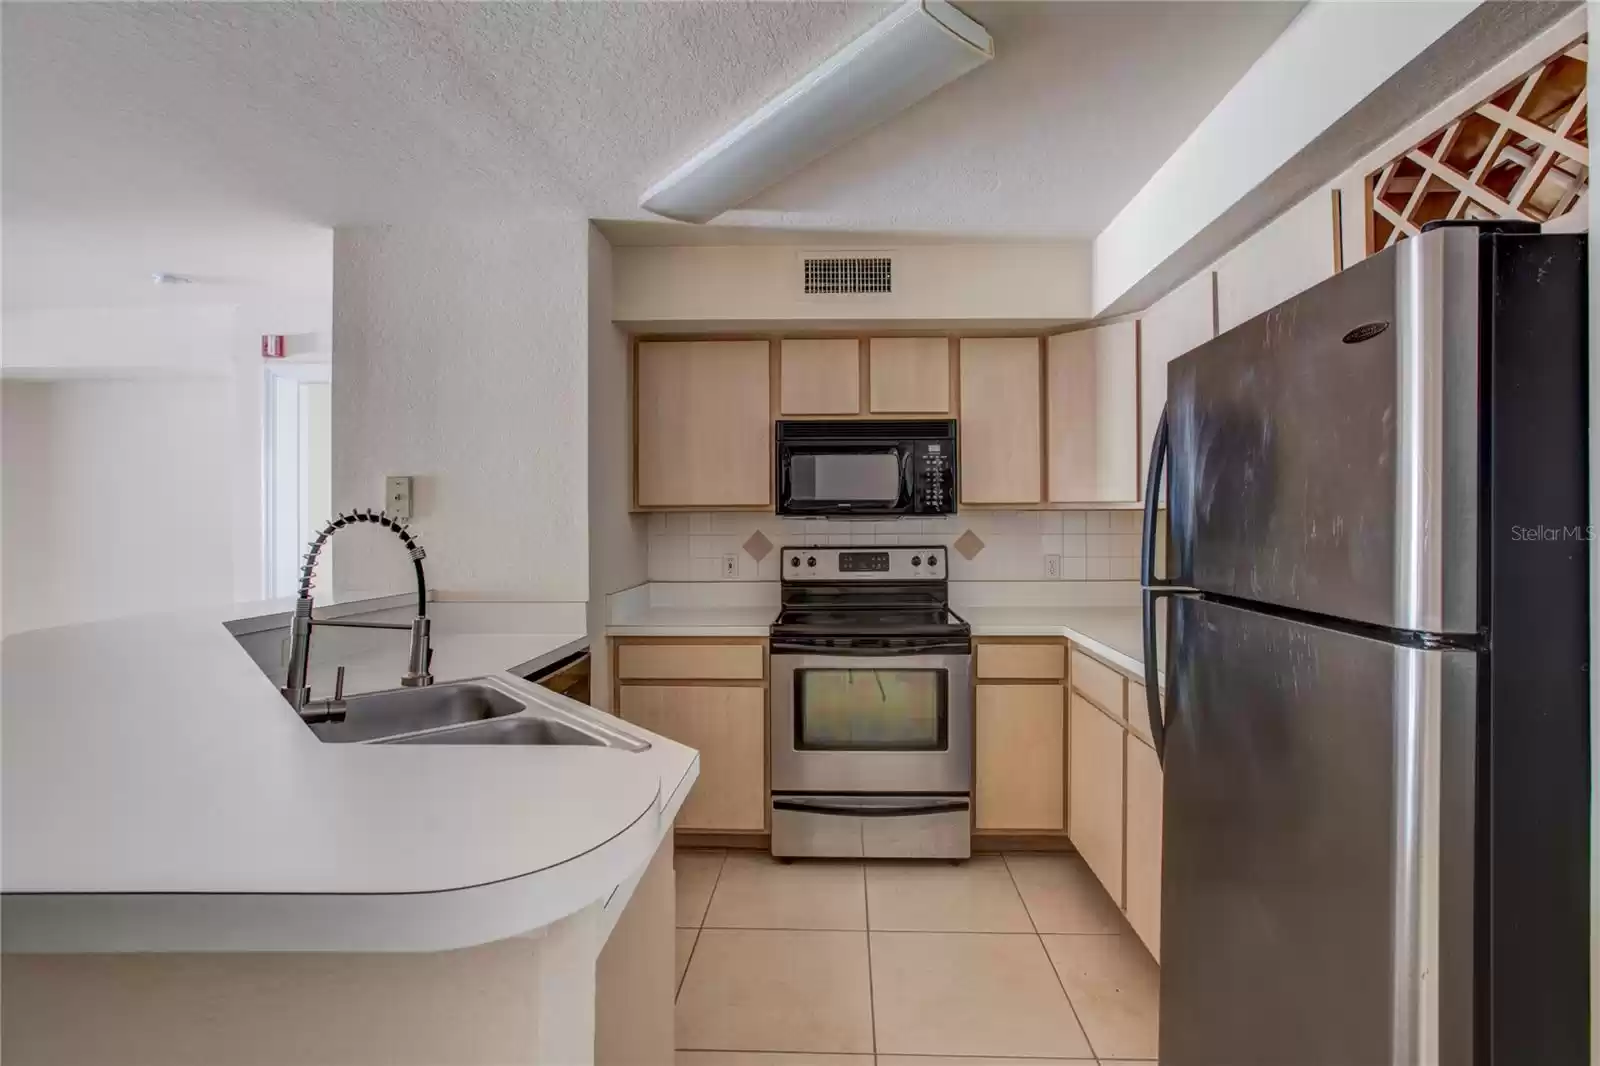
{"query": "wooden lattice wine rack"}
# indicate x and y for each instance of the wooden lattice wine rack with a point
(1524, 153)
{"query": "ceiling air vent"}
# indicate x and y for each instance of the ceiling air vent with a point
(836, 275)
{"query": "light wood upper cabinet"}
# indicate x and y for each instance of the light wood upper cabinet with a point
(704, 424)
(1144, 845)
(1021, 738)
(1094, 802)
(1281, 260)
(726, 723)
(819, 377)
(1001, 431)
(1184, 318)
(1092, 385)
(909, 375)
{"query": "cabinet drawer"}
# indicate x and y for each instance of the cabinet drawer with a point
(691, 662)
(1025, 661)
(1098, 683)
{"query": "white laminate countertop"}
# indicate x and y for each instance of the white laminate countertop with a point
(160, 795)
(656, 621)
(1115, 634)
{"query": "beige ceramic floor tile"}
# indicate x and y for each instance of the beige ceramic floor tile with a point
(772, 1058)
(777, 990)
(975, 897)
(1063, 895)
(1115, 986)
(969, 994)
(757, 891)
(686, 939)
(697, 876)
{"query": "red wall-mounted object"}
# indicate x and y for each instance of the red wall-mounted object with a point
(272, 346)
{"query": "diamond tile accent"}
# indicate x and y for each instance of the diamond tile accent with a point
(758, 547)
(969, 544)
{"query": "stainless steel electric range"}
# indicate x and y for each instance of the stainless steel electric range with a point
(871, 707)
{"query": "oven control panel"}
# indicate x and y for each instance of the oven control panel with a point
(864, 564)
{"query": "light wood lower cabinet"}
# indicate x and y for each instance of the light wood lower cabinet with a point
(727, 725)
(1143, 889)
(1021, 738)
(1094, 800)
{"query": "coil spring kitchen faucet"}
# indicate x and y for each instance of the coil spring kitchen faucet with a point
(295, 689)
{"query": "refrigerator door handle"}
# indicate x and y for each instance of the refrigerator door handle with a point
(1154, 588)
(1152, 503)
(1152, 675)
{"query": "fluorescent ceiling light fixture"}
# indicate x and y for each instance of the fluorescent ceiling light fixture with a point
(922, 47)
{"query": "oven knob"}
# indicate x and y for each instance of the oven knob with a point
(933, 560)
(916, 560)
(794, 560)
(811, 560)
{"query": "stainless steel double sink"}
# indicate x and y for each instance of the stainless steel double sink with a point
(478, 710)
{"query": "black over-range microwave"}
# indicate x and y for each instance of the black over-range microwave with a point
(884, 468)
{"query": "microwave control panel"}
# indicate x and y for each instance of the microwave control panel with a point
(933, 477)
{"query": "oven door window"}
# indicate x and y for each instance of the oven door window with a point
(871, 710)
(869, 479)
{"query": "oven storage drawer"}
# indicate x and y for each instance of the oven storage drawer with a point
(857, 826)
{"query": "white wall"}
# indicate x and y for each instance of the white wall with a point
(616, 537)
(461, 358)
(700, 287)
(115, 498)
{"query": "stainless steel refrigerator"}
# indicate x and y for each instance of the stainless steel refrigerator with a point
(1375, 724)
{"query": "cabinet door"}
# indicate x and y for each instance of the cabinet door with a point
(1092, 385)
(1281, 260)
(1000, 434)
(1021, 748)
(1144, 845)
(819, 377)
(909, 375)
(1184, 318)
(1094, 805)
(727, 725)
(704, 414)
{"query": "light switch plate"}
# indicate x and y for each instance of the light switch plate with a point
(730, 566)
(397, 496)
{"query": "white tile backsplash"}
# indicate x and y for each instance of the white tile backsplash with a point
(1093, 545)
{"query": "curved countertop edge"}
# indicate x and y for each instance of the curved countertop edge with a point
(449, 917)
(444, 920)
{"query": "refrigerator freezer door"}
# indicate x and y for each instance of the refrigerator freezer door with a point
(1324, 455)
(1317, 880)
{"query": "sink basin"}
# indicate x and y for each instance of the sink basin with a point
(373, 715)
(482, 710)
(520, 730)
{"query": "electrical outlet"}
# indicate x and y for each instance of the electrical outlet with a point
(397, 496)
(1052, 567)
(730, 566)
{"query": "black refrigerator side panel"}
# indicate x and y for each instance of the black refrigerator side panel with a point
(1534, 990)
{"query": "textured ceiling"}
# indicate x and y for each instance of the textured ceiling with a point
(201, 115)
